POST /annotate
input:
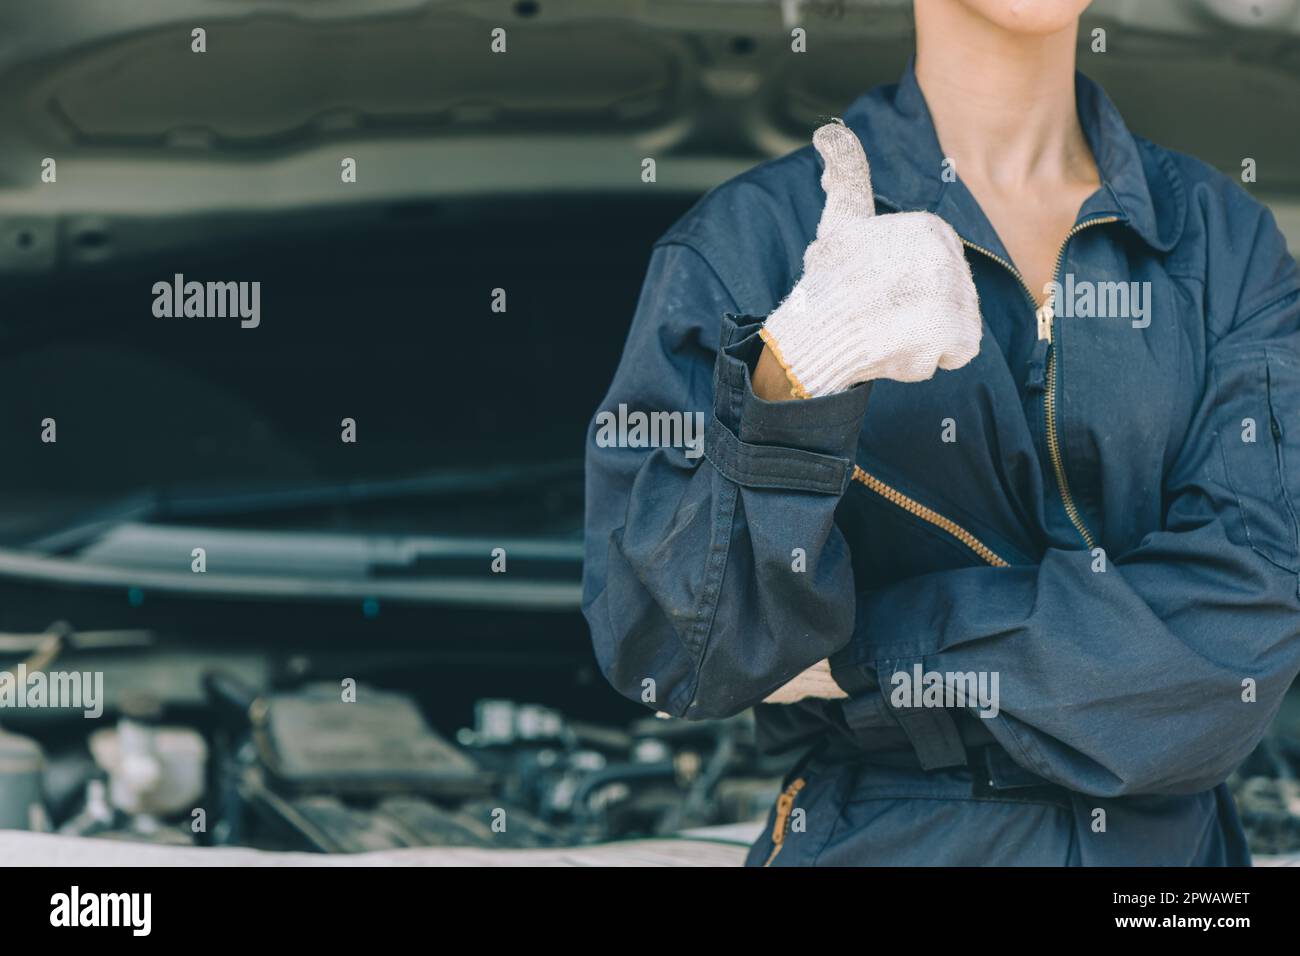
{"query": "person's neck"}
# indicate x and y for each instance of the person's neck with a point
(1003, 105)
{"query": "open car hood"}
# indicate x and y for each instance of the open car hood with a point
(583, 91)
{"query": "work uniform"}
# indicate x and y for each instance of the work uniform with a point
(1099, 509)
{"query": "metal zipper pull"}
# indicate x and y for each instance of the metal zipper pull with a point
(1045, 313)
(784, 804)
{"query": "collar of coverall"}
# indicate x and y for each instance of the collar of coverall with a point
(1139, 185)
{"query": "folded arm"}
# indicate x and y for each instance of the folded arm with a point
(1161, 673)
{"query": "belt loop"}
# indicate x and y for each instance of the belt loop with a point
(931, 731)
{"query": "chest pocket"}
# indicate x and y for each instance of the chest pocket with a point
(1260, 443)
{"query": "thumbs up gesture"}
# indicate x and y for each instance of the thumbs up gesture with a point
(880, 296)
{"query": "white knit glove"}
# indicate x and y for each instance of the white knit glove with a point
(880, 296)
(816, 681)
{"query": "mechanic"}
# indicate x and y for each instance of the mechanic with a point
(913, 462)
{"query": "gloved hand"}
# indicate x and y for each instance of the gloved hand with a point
(880, 296)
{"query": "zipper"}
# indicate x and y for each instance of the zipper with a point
(1044, 316)
(784, 804)
(1054, 452)
(912, 506)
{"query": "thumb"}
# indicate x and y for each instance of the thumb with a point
(846, 179)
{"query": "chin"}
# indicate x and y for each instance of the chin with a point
(1028, 17)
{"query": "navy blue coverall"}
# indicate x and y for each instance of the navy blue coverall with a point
(1110, 526)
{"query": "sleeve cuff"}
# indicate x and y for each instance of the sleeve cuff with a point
(827, 425)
